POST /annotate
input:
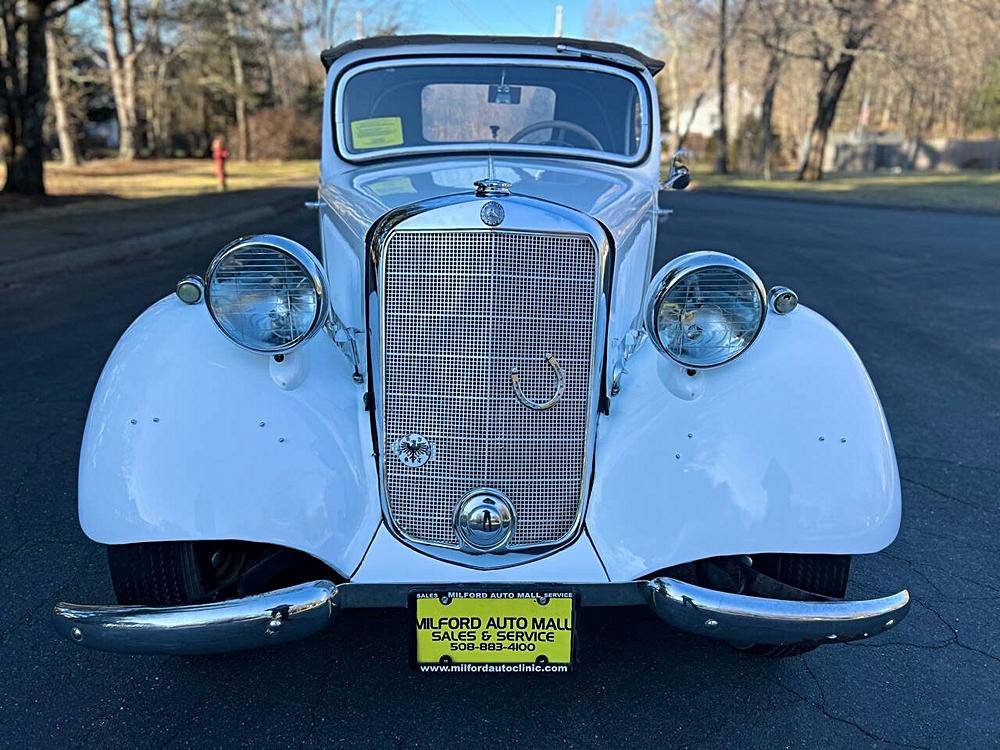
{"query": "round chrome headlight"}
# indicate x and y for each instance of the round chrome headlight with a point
(266, 293)
(705, 308)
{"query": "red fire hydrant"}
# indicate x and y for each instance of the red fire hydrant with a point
(219, 156)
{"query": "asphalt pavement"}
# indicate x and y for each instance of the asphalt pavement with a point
(916, 292)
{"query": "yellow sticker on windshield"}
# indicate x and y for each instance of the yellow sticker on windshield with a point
(377, 132)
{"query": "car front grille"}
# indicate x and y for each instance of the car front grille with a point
(460, 309)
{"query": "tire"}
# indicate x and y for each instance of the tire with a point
(165, 573)
(819, 574)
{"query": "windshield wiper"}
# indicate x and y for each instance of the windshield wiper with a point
(623, 60)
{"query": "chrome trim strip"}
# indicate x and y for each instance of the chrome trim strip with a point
(299, 611)
(614, 59)
(217, 627)
(751, 619)
(642, 151)
(378, 236)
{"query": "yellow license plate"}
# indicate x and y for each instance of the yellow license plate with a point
(500, 628)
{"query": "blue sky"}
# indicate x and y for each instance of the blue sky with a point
(518, 17)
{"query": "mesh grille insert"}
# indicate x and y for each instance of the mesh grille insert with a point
(460, 309)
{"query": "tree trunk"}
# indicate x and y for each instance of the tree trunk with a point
(67, 139)
(673, 75)
(129, 55)
(771, 78)
(239, 85)
(722, 136)
(25, 103)
(833, 79)
(154, 73)
(10, 81)
(277, 87)
(307, 63)
(832, 82)
(122, 77)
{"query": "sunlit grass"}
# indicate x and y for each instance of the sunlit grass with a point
(972, 190)
(164, 178)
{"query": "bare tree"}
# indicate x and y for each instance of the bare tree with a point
(122, 68)
(68, 151)
(722, 135)
(24, 90)
(669, 14)
(156, 58)
(848, 23)
(772, 25)
(263, 25)
(239, 83)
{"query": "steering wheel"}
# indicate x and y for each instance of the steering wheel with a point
(564, 127)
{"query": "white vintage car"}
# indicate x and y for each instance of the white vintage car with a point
(475, 403)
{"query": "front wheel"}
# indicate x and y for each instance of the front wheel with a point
(825, 575)
(166, 573)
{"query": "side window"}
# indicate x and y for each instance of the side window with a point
(470, 112)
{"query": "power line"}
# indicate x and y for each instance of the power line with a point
(517, 17)
(471, 17)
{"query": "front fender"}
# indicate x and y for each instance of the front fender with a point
(785, 449)
(190, 437)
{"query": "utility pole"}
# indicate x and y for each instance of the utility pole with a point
(359, 25)
(559, 14)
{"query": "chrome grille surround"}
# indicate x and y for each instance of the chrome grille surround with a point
(458, 306)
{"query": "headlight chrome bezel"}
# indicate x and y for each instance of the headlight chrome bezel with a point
(300, 255)
(676, 271)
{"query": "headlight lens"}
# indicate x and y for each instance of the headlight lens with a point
(705, 308)
(266, 293)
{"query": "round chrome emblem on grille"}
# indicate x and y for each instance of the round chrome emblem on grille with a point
(491, 213)
(414, 450)
(484, 520)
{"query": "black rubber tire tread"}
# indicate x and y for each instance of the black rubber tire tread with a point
(156, 573)
(820, 574)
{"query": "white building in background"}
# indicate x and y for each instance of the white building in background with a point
(700, 116)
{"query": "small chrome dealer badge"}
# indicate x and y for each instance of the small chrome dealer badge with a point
(491, 213)
(414, 450)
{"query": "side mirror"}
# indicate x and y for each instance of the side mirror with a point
(679, 176)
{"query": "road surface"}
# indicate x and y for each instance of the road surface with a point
(916, 292)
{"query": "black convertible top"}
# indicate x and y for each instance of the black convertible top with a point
(329, 56)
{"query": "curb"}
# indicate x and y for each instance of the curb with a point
(144, 244)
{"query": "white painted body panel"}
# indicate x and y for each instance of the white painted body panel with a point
(197, 464)
(753, 477)
(789, 451)
(389, 561)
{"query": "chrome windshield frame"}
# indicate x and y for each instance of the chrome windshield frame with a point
(340, 143)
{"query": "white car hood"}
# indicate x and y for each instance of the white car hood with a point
(608, 193)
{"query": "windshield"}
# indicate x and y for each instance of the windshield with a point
(492, 106)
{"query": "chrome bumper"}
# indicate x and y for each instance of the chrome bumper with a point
(299, 611)
(234, 625)
(751, 619)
